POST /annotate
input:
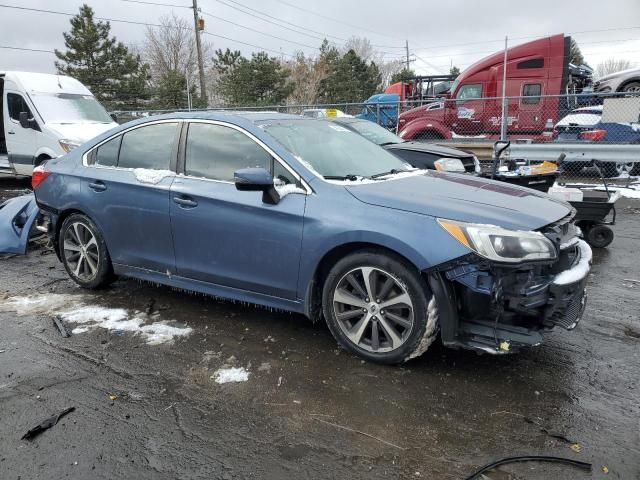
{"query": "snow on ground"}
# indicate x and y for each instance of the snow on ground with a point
(229, 375)
(74, 310)
(145, 175)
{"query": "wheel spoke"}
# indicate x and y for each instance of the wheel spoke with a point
(386, 288)
(342, 296)
(78, 266)
(92, 242)
(78, 235)
(93, 267)
(355, 334)
(375, 336)
(390, 332)
(349, 314)
(68, 245)
(403, 322)
(367, 272)
(356, 285)
(403, 299)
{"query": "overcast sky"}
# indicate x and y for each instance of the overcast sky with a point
(439, 33)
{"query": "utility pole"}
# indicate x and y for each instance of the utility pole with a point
(203, 91)
(406, 46)
(505, 108)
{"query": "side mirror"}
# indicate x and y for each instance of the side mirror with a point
(114, 117)
(257, 180)
(25, 121)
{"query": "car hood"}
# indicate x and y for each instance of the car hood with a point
(464, 198)
(621, 73)
(429, 148)
(80, 132)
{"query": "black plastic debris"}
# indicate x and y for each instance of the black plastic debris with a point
(57, 321)
(46, 424)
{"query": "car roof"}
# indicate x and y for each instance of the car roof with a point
(224, 115)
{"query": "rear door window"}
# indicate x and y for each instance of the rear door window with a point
(107, 153)
(216, 152)
(150, 147)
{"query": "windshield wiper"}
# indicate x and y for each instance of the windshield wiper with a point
(348, 176)
(393, 171)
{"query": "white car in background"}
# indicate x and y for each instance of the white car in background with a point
(627, 81)
(324, 113)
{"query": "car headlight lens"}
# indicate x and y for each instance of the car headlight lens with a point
(500, 244)
(68, 145)
(449, 165)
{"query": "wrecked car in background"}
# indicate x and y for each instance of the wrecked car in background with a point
(306, 216)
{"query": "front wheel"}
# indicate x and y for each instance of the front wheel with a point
(378, 307)
(84, 252)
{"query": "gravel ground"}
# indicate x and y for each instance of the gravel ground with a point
(146, 407)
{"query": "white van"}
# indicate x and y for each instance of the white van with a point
(44, 116)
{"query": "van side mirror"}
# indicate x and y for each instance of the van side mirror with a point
(257, 180)
(25, 121)
(114, 117)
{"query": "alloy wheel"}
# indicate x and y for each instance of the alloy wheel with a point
(373, 309)
(622, 167)
(81, 251)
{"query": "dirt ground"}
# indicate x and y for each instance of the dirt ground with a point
(308, 409)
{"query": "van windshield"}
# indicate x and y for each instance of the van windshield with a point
(69, 108)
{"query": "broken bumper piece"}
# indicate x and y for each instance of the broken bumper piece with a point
(17, 216)
(498, 309)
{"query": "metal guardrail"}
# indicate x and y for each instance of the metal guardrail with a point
(607, 152)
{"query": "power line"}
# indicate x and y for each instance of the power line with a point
(7, 47)
(336, 20)
(237, 6)
(154, 25)
(157, 4)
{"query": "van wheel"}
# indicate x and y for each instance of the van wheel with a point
(84, 252)
(378, 307)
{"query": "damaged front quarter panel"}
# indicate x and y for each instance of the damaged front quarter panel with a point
(498, 308)
(17, 217)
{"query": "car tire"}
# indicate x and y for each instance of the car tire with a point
(599, 236)
(631, 87)
(610, 169)
(361, 324)
(84, 252)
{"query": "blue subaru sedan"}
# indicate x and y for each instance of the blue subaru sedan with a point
(306, 216)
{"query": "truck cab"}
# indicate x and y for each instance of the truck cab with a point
(44, 116)
(535, 71)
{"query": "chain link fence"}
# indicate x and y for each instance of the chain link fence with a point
(592, 139)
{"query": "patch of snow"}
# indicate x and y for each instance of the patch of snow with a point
(578, 271)
(146, 175)
(428, 337)
(229, 375)
(284, 190)
(72, 309)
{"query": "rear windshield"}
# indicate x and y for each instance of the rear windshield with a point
(375, 132)
(69, 108)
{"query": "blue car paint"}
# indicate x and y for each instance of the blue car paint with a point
(17, 216)
(619, 132)
(268, 254)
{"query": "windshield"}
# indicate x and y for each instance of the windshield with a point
(375, 133)
(332, 150)
(69, 108)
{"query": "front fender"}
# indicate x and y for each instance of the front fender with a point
(418, 126)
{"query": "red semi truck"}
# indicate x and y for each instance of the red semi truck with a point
(473, 106)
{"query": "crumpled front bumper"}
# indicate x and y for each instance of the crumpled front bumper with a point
(497, 309)
(17, 216)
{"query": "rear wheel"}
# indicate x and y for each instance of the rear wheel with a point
(378, 307)
(84, 252)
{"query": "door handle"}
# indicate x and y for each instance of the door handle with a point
(11, 132)
(185, 202)
(97, 186)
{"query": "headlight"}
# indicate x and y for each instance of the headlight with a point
(68, 145)
(449, 165)
(500, 244)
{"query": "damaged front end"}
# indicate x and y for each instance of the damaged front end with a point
(17, 218)
(499, 307)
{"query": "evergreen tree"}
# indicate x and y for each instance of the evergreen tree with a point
(403, 75)
(454, 71)
(114, 75)
(352, 80)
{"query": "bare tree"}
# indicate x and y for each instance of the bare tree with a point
(363, 48)
(172, 48)
(612, 65)
(305, 73)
